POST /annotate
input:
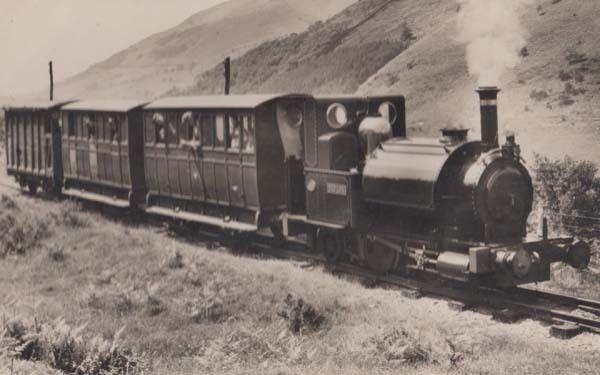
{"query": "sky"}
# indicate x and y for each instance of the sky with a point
(75, 34)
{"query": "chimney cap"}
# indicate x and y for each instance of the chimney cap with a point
(488, 89)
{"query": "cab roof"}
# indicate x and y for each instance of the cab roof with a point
(218, 101)
(104, 105)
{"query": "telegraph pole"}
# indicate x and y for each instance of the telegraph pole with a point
(51, 81)
(227, 64)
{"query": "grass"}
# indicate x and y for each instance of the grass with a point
(178, 308)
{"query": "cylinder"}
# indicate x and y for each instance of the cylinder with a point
(489, 115)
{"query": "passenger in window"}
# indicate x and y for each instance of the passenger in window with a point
(114, 133)
(187, 122)
(159, 127)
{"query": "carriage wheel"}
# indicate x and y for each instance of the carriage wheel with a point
(332, 244)
(380, 259)
(32, 186)
(22, 182)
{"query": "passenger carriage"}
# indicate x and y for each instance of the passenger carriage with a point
(102, 151)
(224, 160)
(31, 143)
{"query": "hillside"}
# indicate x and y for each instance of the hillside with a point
(172, 58)
(82, 289)
(414, 48)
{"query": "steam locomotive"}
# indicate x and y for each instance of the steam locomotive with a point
(339, 173)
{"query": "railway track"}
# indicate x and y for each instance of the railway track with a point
(568, 315)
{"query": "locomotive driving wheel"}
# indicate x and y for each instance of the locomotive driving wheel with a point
(380, 259)
(331, 243)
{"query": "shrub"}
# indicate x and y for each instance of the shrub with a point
(569, 193)
(301, 316)
(55, 252)
(396, 345)
(7, 202)
(19, 233)
(69, 214)
(66, 348)
(174, 260)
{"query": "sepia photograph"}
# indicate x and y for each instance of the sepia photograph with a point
(288, 187)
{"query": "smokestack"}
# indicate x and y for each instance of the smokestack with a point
(489, 115)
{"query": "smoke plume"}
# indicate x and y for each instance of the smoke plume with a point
(493, 36)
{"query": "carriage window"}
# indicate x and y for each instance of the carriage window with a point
(171, 129)
(208, 130)
(89, 126)
(71, 124)
(124, 129)
(186, 126)
(100, 127)
(158, 121)
(78, 131)
(235, 132)
(112, 123)
(248, 141)
(148, 128)
(220, 131)
(47, 124)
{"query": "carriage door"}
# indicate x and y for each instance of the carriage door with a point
(173, 154)
(82, 146)
(234, 159)
(92, 139)
(113, 122)
(71, 142)
(46, 149)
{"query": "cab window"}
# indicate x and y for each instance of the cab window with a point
(220, 131)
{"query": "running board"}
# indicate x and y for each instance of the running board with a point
(237, 226)
(85, 195)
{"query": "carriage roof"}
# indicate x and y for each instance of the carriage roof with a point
(104, 105)
(218, 101)
(36, 105)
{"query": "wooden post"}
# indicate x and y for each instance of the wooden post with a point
(227, 64)
(51, 81)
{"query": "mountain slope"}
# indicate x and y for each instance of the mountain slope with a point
(413, 48)
(172, 58)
